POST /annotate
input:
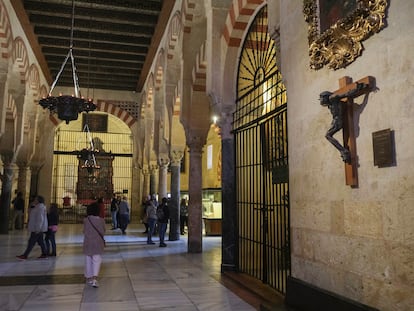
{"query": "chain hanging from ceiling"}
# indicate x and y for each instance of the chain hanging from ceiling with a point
(68, 107)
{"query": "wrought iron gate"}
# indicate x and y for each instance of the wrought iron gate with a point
(260, 129)
(263, 200)
(73, 188)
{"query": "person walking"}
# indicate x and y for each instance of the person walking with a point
(114, 212)
(152, 219)
(163, 215)
(124, 211)
(183, 215)
(18, 211)
(36, 225)
(93, 244)
(53, 221)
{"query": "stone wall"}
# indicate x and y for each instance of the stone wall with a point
(357, 242)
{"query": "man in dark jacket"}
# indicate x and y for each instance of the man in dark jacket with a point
(163, 215)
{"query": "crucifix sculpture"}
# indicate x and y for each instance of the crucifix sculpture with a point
(340, 104)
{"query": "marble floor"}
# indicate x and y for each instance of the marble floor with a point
(134, 275)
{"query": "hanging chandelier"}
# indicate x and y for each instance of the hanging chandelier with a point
(87, 155)
(68, 107)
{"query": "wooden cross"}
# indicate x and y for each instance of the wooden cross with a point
(346, 85)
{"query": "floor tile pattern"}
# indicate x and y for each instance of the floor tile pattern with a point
(134, 275)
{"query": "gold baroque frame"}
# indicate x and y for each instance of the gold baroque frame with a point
(340, 45)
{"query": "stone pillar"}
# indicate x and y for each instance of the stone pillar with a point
(22, 185)
(195, 208)
(6, 185)
(229, 212)
(146, 184)
(22, 177)
(153, 179)
(34, 182)
(174, 203)
(162, 181)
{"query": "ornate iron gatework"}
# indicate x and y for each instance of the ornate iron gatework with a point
(262, 175)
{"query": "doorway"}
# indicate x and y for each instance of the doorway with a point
(262, 174)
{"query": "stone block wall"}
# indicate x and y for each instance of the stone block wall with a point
(356, 242)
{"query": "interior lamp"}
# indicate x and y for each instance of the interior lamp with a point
(68, 107)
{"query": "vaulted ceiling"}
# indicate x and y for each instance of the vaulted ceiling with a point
(114, 41)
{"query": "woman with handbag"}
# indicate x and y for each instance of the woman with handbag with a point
(93, 243)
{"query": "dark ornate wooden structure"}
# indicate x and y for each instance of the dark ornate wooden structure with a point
(95, 183)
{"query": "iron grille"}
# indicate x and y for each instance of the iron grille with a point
(262, 168)
(115, 174)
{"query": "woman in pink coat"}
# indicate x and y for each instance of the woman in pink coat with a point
(93, 243)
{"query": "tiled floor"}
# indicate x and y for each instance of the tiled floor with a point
(134, 275)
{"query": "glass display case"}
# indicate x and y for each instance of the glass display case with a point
(212, 211)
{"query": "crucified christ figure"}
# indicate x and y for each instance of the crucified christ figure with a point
(336, 106)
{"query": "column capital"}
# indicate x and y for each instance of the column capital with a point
(196, 144)
(7, 157)
(225, 124)
(35, 168)
(163, 161)
(153, 168)
(22, 164)
(176, 157)
(145, 170)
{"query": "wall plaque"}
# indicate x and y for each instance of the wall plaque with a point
(384, 151)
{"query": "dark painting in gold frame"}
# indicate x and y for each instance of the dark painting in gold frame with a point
(336, 29)
(331, 11)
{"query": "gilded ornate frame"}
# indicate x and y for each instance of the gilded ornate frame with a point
(340, 45)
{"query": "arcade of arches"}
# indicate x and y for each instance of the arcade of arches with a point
(229, 117)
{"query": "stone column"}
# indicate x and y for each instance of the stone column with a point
(22, 185)
(34, 181)
(146, 184)
(153, 179)
(174, 203)
(22, 177)
(162, 181)
(6, 185)
(195, 208)
(229, 212)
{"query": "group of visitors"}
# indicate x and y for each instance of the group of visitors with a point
(42, 225)
(156, 216)
(120, 213)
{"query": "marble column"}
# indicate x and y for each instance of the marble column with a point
(146, 184)
(195, 207)
(6, 185)
(22, 185)
(34, 181)
(174, 203)
(229, 212)
(22, 177)
(153, 179)
(162, 180)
